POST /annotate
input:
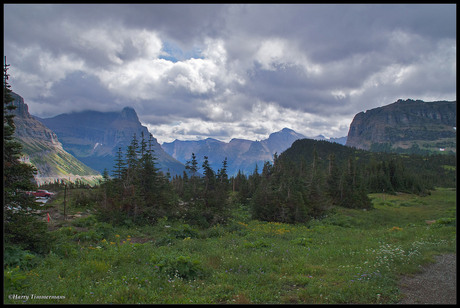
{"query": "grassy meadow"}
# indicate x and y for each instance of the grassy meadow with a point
(349, 256)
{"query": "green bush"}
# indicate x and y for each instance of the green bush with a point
(183, 231)
(447, 221)
(14, 256)
(14, 279)
(29, 233)
(183, 267)
(90, 235)
(85, 222)
(302, 241)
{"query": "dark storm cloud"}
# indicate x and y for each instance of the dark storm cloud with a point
(186, 68)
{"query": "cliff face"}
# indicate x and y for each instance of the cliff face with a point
(94, 137)
(405, 124)
(43, 149)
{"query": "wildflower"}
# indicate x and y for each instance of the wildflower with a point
(117, 235)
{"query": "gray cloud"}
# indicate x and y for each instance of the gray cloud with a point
(208, 70)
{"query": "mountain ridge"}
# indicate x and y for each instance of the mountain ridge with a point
(95, 137)
(405, 124)
(42, 148)
(242, 154)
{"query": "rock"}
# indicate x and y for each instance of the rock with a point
(403, 123)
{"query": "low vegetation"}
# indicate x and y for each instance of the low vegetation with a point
(348, 256)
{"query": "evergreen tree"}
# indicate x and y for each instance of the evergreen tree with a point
(22, 227)
(209, 183)
(333, 180)
(317, 201)
(119, 167)
(192, 183)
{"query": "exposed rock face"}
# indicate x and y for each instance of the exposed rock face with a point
(405, 124)
(94, 137)
(42, 149)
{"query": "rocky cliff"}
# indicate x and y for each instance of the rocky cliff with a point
(94, 137)
(406, 124)
(43, 149)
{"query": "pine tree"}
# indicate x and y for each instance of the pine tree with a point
(22, 228)
(192, 183)
(222, 173)
(333, 180)
(119, 167)
(317, 201)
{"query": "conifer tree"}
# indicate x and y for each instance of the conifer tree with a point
(333, 180)
(192, 167)
(22, 227)
(119, 165)
(317, 201)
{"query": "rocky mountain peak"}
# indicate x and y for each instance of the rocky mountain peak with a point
(128, 113)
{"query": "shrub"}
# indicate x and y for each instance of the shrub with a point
(28, 233)
(183, 267)
(14, 256)
(446, 221)
(85, 222)
(14, 279)
(302, 241)
(184, 231)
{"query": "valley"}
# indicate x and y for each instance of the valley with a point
(227, 153)
(317, 222)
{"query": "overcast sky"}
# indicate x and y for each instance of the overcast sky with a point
(230, 71)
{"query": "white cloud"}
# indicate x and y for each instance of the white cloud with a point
(231, 70)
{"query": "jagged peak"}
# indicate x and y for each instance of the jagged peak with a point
(129, 113)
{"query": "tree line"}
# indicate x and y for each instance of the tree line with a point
(302, 183)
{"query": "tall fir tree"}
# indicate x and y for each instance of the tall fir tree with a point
(22, 226)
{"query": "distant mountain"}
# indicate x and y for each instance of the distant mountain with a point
(241, 154)
(43, 149)
(410, 125)
(94, 137)
(339, 140)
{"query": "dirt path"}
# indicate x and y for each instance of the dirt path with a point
(437, 284)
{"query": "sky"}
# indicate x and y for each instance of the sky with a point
(230, 70)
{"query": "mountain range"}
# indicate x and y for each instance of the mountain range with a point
(84, 144)
(242, 155)
(42, 148)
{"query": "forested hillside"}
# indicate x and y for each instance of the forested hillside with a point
(302, 183)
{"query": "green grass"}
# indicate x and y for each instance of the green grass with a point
(350, 256)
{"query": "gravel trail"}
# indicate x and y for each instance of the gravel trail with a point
(436, 284)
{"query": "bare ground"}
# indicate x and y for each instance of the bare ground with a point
(436, 284)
